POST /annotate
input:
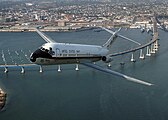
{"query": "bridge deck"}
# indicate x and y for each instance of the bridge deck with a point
(155, 38)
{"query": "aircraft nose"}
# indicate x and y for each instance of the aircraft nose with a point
(33, 57)
(39, 54)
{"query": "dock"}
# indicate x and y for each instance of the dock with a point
(2, 99)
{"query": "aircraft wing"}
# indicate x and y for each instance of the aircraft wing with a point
(44, 36)
(97, 67)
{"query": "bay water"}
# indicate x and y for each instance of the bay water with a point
(86, 94)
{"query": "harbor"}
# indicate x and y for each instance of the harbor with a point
(2, 99)
(80, 30)
(51, 95)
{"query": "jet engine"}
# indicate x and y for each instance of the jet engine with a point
(107, 59)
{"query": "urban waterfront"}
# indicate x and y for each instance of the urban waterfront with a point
(86, 94)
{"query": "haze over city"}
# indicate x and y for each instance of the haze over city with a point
(71, 15)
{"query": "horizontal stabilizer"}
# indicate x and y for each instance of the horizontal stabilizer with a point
(116, 73)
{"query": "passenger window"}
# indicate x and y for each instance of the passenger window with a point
(46, 50)
(51, 52)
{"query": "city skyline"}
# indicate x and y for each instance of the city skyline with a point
(68, 16)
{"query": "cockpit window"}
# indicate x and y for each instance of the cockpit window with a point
(50, 51)
(43, 49)
(46, 50)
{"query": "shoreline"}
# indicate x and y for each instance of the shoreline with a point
(46, 29)
(96, 29)
(43, 30)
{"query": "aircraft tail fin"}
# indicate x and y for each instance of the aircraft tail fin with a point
(112, 38)
(44, 36)
(115, 35)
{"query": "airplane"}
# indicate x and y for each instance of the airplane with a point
(54, 53)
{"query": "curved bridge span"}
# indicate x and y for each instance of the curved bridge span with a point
(155, 38)
(153, 43)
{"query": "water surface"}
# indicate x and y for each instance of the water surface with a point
(87, 94)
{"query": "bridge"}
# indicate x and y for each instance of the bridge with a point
(151, 46)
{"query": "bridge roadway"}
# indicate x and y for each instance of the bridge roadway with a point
(154, 39)
(20, 65)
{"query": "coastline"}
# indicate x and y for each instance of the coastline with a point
(46, 29)
(56, 29)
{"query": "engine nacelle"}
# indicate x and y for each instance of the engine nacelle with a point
(106, 59)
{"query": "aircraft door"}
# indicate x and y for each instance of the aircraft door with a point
(58, 53)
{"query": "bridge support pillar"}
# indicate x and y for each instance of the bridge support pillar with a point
(141, 54)
(22, 70)
(6, 70)
(156, 46)
(132, 58)
(148, 53)
(59, 68)
(77, 67)
(152, 49)
(41, 69)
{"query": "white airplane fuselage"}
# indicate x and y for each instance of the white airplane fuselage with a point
(53, 53)
(65, 53)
